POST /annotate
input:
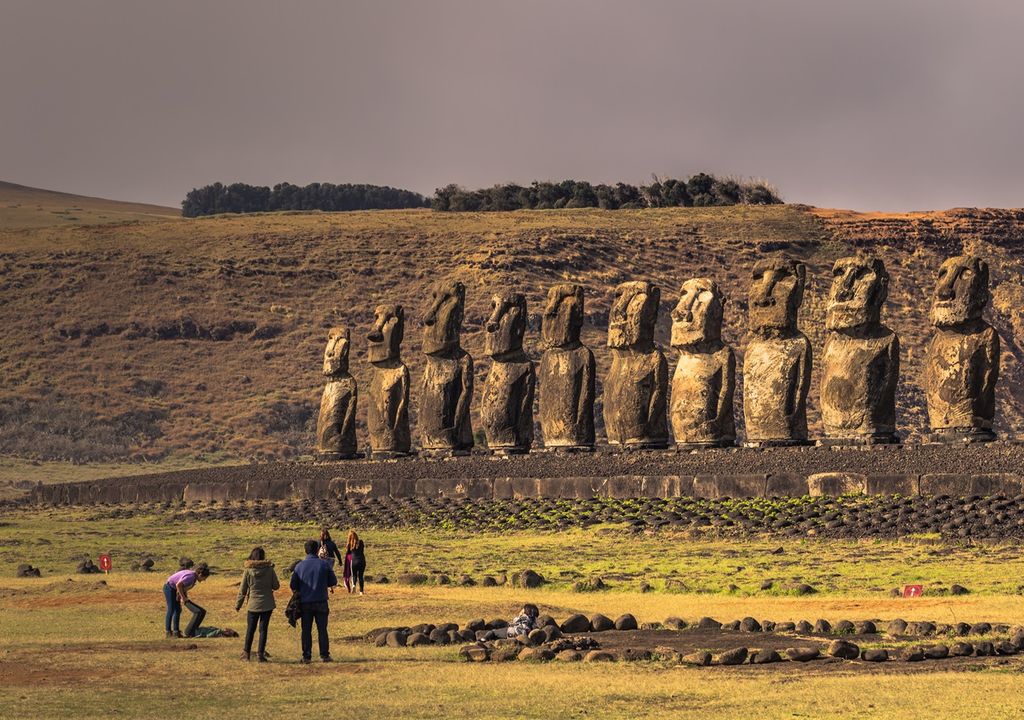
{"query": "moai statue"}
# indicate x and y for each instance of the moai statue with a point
(777, 363)
(567, 374)
(336, 424)
(861, 363)
(705, 378)
(636, 390)
(447, 390)
(506, 409)
(962, 360)
(387, 417)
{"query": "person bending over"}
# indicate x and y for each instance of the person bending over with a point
(176, 594)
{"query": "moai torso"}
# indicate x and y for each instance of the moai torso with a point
(336, 423)
(447, 388)
(705, 377)
(506, 409)
(861, 358)
(567, 373)
(387, 417)
(636, 390)
(962, 360)
(777, 362)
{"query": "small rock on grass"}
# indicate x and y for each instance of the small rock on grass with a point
(417, 639)
(536, 654)
(396, 638)
(669, 654)
(545, 620)
(802, 654)
(765, 656)
(674, 623)
(626, 622)
(955, 589)
(598, 656)
(875, 655)
(505, 654)
(489, 581)
(569, 656)
(701, 658)
(736, 656)
(474, 653)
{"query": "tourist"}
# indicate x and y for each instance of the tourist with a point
(521, 624)
(176, 594)
(311, 579)
(259, 581)
(356, 557)
(328, 548)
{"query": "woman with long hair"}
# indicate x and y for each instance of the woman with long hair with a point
(356, 555)
(259, 581)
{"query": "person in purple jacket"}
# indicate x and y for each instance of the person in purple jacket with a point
(176, 594)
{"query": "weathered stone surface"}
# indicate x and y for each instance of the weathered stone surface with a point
(447, 387)
(701, 658)
(475, 653)
(636, 389)
(598, 656)
(707, 623)
(675, 623)
(387, 412)
(834, 484)
(336, 424)
(396, 638)
(626, 622)
(705, 376)
(843, 649)
(777, 363)
(861, 358)
(567, 373)
(961, 649)
(802, 654)
(569, 656)
(962, 358)
(506, 406)
(765, 656)
(875, 655)
(418, 638)
(601, 623)
(536, 654)
(936, 652)
(736, 656)
(576, 624)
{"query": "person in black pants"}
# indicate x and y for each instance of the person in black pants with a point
(259, 581)
(357, 560)
(311, 579)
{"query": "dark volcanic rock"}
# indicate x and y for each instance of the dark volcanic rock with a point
(625, 622)
(601, 623)
(802, 654)
(736, 656)
(765, 656)
(843, 649)
(576, 624)
(875, 655)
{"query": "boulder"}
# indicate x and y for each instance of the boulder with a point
(551, 633)
(765, 656)
(438, 636)
(475, 653)
(961, 629)
(425, 628)
(663, 652)
(844, 627)
(544, 621)
(477, 624)
(736, 656)
(767, 585)
(804, 628)
(569, 656)
(701, 657)
(982, 628)
(536, 637)
(913, 653)
(592, 584)
(896, 628)
(454, 637)
(706, 623)
(382, 639)
(674, 623)
(527, 579)
(823, 627)
(843, 649)
(734, 625)
(803, 589)
(598, 656)
(489, 581)
(536, 654)
(416, 639)
(396, 638)
(506, 654)
(636, 655)
(865, 627)
(601, 623)
(626, 622)
(955, 589)
(1005, 647)
(25, 571)
(875, 655)
(961, 649)
(1018, 639)
(984, 649)
(412, 579)
(466, 635)
(936, 652)
(576, 624)
(749, 624)
(466, 581)
(497, 624)
(785, 627)
(921, 629)
(802, 654)
(768, 625)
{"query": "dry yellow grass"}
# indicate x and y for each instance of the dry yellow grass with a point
(24, 207)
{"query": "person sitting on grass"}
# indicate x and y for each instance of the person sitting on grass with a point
(259, 581)
(176, 594)
(521, 624)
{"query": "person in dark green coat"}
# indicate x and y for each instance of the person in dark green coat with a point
(259, 581)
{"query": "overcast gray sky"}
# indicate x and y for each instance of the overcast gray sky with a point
(865, 104)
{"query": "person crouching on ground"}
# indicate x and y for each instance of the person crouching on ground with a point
(259, 581)
(521, 624)
(311, 578)
(176, 594)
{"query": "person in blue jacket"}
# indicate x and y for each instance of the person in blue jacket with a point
(311, 579)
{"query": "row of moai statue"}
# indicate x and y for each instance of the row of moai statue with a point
(860, 369)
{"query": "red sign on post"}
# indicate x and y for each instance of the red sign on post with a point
(910, 591)
(105, 563)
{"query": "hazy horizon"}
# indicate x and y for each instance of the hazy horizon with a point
(870, 106)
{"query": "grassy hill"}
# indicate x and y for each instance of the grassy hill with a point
(200, 340)
(28, 207)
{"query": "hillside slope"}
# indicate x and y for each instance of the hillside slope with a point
(203, 337)
(27, 207)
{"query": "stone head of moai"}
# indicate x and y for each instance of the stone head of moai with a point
(633, 315)
(697, 317)
(385, 340)
(776, 291)
(336, 352)
(442, 325)
(961, 292)
(506, 324)
(563, 316)
(860, 285)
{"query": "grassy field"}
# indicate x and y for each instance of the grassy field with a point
(24, 207)
(95, 644)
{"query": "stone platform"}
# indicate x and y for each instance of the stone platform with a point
(960, 470)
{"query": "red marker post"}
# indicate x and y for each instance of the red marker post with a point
(105, 563)
(912, 591)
